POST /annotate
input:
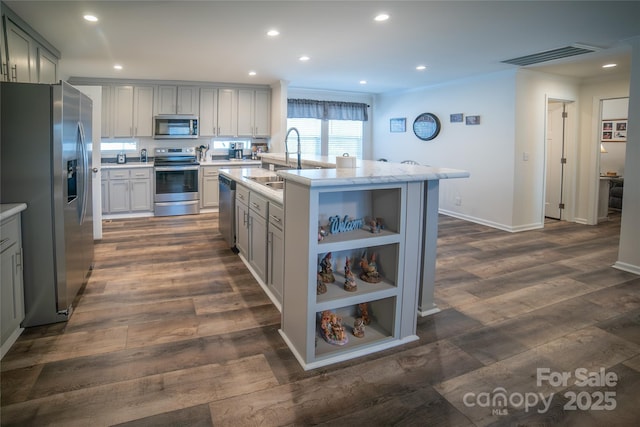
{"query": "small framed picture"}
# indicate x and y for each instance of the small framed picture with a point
(456, 118)
(614, 130)
(398, 125)
(472, 120)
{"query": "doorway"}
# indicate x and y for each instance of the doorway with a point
(555, 159)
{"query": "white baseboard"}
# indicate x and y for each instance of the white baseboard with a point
(629, 268)
(510, 229)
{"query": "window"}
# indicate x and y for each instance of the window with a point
(327, 137)
(120, 145)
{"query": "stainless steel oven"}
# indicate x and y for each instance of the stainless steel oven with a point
(176, 182)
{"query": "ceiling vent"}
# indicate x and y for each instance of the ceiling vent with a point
(550, 55)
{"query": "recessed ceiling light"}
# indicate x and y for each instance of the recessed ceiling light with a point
(90, 18)
(609, 65)
(304, 58)
(252, 73)
(273, 33)
(117, 67)
(421, 67)
(363, 82)
(381, 17)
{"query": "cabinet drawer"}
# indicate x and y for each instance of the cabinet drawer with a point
(118, 173)
(242, 194)
(258, 204)
(209, 171)
(276, 215)
(140, 173)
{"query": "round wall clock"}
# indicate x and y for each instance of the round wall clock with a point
(426, 126)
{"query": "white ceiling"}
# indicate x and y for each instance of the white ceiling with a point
(221, 41)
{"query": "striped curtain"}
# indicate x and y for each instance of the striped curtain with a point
(326, 110)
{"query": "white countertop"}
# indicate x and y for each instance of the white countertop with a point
(127, 165)
(7, 210)
(240, 176)
(233, 163)
(365, 172)
(224, 162)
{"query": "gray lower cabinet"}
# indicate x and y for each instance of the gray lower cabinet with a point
(242, 220)
(251, 229)
(258, 208)
(12, 288)
(128, 190)
(275, 251)
(209, 197)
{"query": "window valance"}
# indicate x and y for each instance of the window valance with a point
(326, 110)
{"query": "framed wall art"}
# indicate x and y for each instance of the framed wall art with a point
(398, 125)
(456, 118)
(614, 131)
(472, 120)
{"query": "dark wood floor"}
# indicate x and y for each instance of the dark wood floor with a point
(172, 330)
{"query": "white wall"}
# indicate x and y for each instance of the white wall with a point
(591, 95)
(485, 150)
(534, 89)
(629, 250)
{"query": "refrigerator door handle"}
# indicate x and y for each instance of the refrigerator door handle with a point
(85, 169)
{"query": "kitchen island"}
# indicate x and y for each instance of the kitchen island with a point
(377, 222)
(400, 200)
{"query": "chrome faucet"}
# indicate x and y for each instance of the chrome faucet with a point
(286, 146)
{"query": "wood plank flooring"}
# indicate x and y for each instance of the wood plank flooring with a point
(172, 330)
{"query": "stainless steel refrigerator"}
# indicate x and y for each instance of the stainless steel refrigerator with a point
(45, 163)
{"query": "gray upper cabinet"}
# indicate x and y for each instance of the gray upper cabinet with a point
(127, 111)
(254, 112)
(19, 48)
(177, 100)
(25, 56)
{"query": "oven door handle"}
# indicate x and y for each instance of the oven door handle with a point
(176, 168)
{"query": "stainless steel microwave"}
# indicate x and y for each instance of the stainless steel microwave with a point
(175, 126)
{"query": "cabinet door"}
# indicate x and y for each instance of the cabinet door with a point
(143, 110)
(107, 112)
(188, 100)
(242, 228)
(210, 191)
(47, 67)
(245, 112)
(123, 111)
(105, 196)
(140, 194)
(166, 99)
(262, 113)
(11, 286)
(208, 111)
(118, 195)
(275, 261)
(258, 244)
(19, 48)
(227, 115)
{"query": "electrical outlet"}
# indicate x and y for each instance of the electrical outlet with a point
(458, 201)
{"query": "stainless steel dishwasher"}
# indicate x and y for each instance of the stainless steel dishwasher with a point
(226, 210)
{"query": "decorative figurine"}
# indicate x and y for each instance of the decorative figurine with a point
(349, 281)
(321, 288)
(364, 313)
(369, 270)
(326, 271)
(358, 328)
(331, 328)
(322, 233)
(375, 225)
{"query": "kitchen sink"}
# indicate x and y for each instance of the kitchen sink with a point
(276, 185)
(265, 179)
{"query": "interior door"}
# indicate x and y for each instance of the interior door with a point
(555, 159)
